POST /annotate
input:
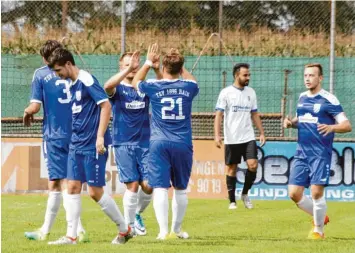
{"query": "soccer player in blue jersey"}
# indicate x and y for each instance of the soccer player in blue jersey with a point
(53, 93)
(319, 116)
(170, 150)
(131, 133)
(88, 147)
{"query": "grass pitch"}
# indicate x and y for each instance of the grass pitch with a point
(273, 226)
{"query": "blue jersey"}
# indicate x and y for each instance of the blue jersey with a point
(130, 116)
(322, 108)
(54, 94)
(171, 108)
(87, 95)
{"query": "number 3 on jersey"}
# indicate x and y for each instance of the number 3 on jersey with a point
(66, 91)
(170, 108)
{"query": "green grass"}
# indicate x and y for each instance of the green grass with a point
(273, 226)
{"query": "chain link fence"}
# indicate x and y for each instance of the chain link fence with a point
(276, 38)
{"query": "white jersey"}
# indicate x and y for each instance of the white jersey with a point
(237, 105)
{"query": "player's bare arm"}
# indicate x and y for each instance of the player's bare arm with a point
(185, 74)
(290, 123)
(156, 68)
(257, 121)
(115, 80)
(104, 121)
(32, 109)
(217, 128)
(152, 57)
(342, 127)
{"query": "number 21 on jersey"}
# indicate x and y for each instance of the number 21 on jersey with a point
(166, 111)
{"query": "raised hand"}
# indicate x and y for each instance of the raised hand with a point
(153, 56)
(134, 61)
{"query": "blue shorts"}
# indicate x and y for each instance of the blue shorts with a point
(132, 163)
(55, 154)
(87, 166)
(169, 161)
(310, 171)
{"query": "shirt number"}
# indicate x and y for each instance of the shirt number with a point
(66, 91)
(171, 107)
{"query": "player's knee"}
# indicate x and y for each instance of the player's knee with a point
(231, 169)
(317, 195)
(96, 193)
(146, 188)
(252, 165)
(295, 196)
(132, 186)
(74, 187)
(54, 185)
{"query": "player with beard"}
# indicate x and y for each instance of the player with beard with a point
(238, 104)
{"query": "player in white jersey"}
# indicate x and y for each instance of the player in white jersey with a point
(238, 104)
(319, 116)
(51, 92)
(130, 134)
(88, 146)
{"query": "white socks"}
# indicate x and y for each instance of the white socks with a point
(73, 210)
(53, 205)
(161, 207)
(179, 206)
(143, 200)
(319, 212)
(108, 205)
(130, 200)
(80, 227)
(306, 204)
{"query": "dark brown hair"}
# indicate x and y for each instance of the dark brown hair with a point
(48, 47)
(173, 62)
(60, 56)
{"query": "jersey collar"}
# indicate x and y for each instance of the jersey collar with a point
(310, 95)
(241, 89)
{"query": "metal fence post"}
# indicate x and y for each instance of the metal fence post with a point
(123, 27)
(332, 47)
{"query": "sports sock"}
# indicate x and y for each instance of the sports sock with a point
(231, 182)
(108, 205)
(179, 205)
(306, 204)
(161, 207)
(73, 211)
(53, 204)
(80, 227)
(143, 201)
(319, 212)
(249, 180)
(130, 206)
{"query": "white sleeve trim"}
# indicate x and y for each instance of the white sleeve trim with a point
(340, 117)
(36, 101)
(101, 101)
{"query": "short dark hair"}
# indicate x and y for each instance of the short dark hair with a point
(48, 47)
(238, 66)
(316, 65)
(173, 62)
(60, 56)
